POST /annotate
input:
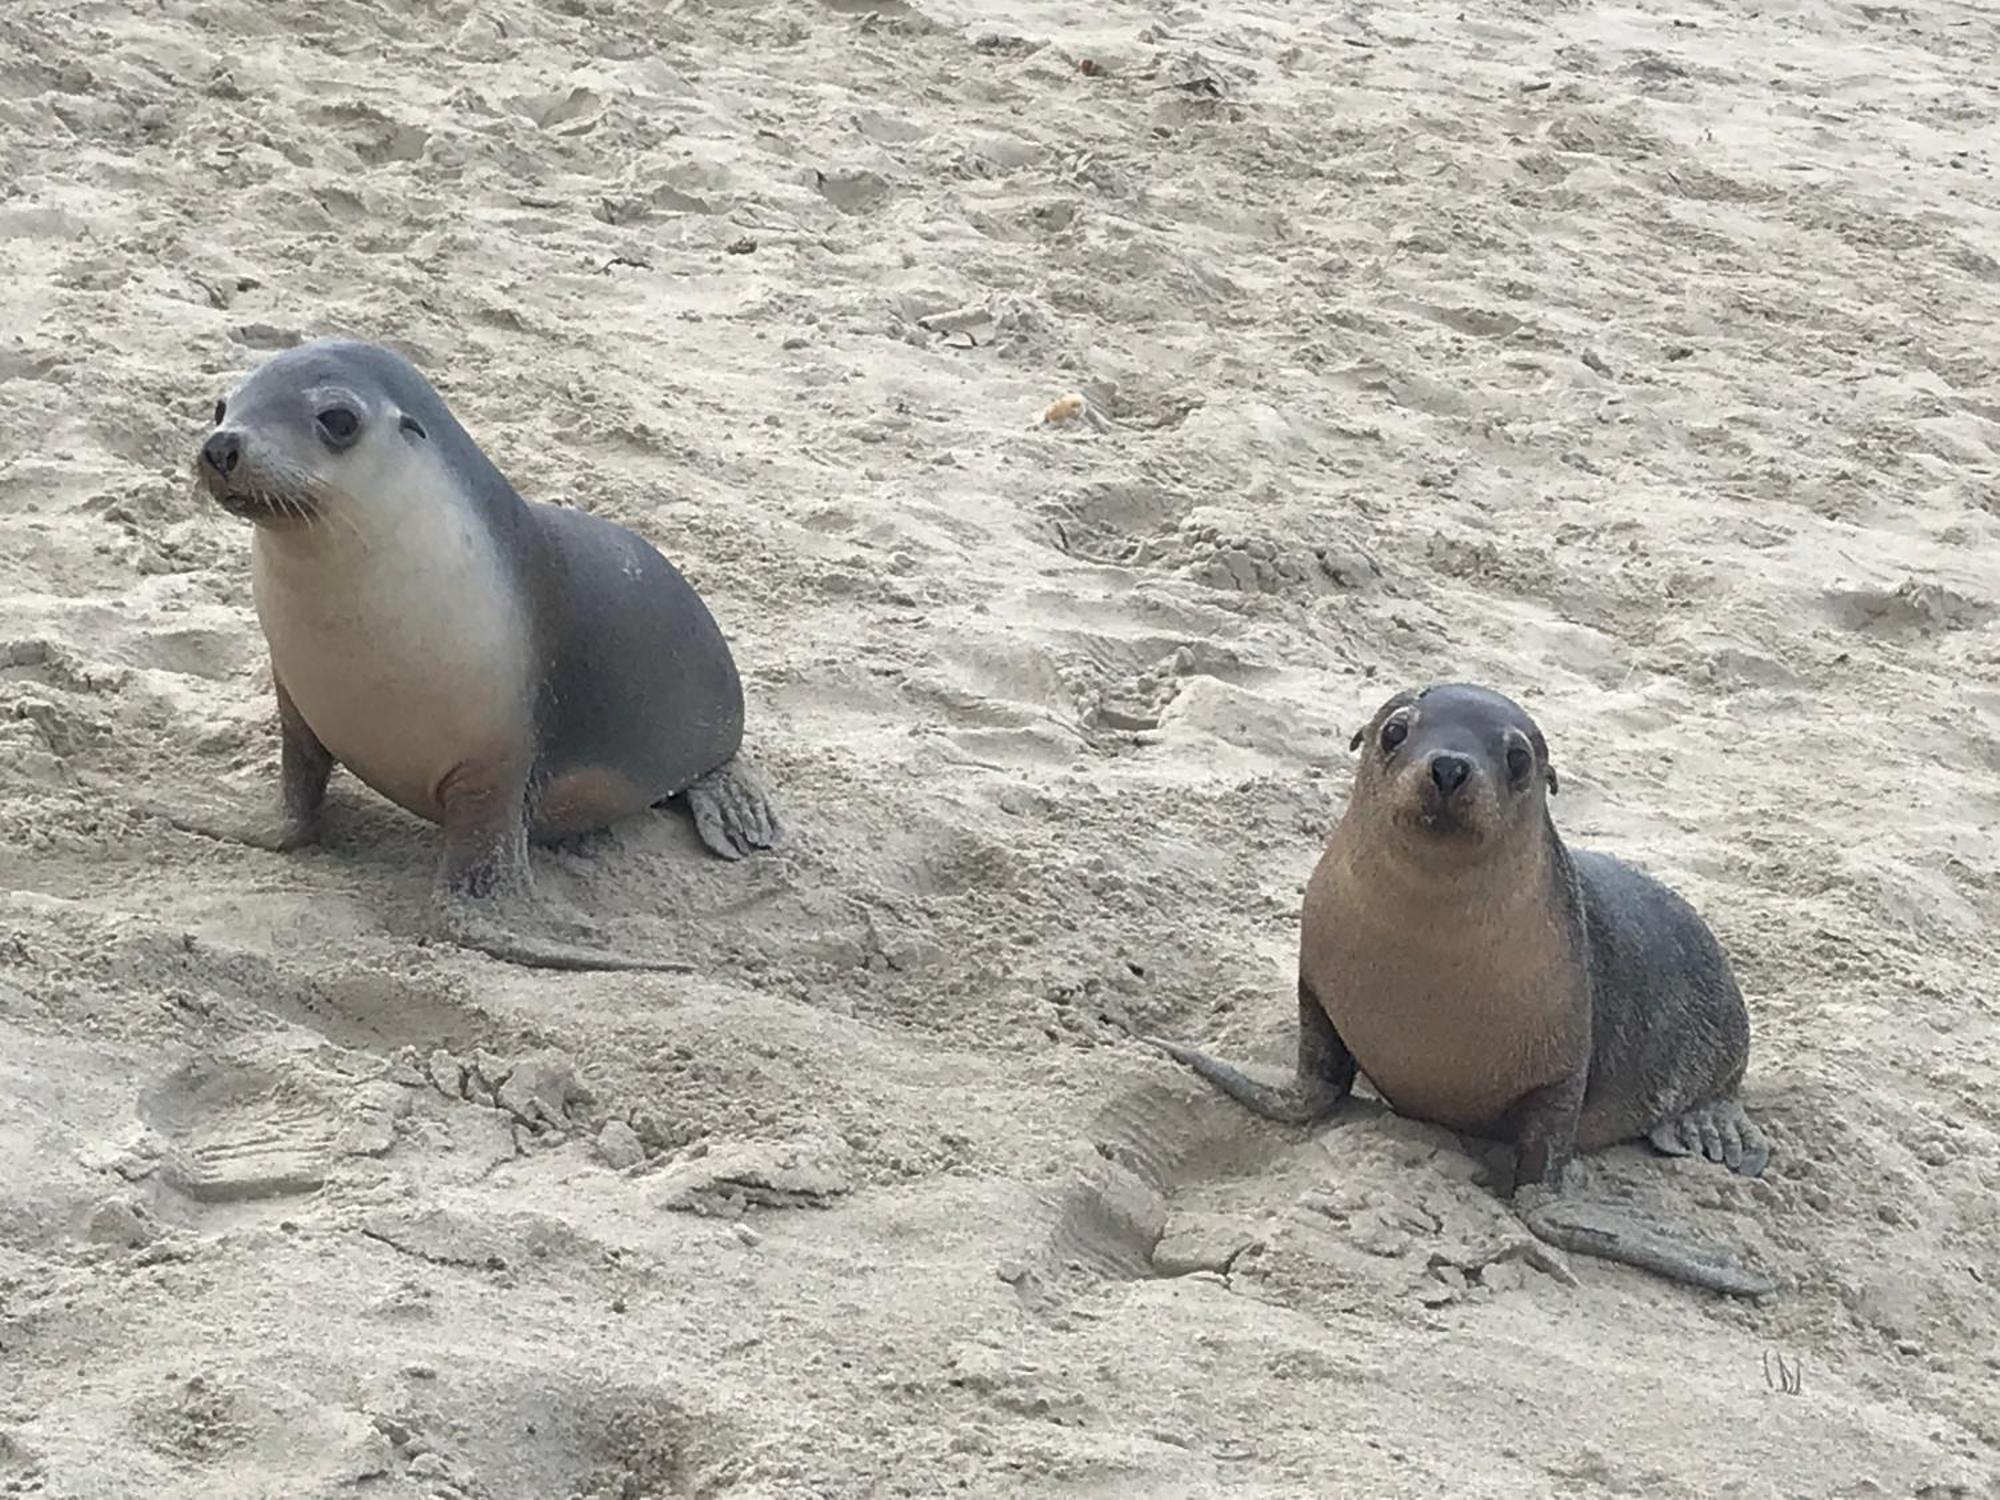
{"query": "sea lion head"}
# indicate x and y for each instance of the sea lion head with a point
(1454, 770)
(315, 427)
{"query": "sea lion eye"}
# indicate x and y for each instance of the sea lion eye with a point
(338, 425)
(1519, 762)
(1394, 733)
(220, 408)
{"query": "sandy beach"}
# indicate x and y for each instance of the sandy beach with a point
(1641, 361)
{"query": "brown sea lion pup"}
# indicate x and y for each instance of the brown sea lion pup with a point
(1491, 980)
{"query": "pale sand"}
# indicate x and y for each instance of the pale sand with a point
(1636, 360)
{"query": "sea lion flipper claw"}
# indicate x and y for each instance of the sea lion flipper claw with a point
(1756, 1148)
(1720, 1131)
(732, 811)
(1666, 1139)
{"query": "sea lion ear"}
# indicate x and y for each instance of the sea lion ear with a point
(1552, 780)
(1359, 734)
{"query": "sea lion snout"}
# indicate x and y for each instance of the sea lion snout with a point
(221, 468)
(222, 452)
(1449, 772)
(1444, 795)
(254, 479)
(229, 470)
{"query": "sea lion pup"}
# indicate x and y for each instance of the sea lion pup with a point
(1491, 980)
(503, 668)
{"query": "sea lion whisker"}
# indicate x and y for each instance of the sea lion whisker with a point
(324, 501)
(341, 518)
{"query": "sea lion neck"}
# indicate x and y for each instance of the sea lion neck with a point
(1384, 864)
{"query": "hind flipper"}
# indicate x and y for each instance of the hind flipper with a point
(1578, 1228)
(1720, 1131)
(732, 811)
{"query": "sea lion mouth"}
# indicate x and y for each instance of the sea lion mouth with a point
(253, 483)
(265, 509)
(1433, 816)
(1442, 823)
(254, 503)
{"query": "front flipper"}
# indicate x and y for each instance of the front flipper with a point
(1325, 1072)
(1585, 1230)
(485, 891)
(304, 766)
(272, 835)
(1544, 1128)
(732, 810)
(494, 933)
(1543, 1125)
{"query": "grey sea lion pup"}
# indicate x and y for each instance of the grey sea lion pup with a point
(503, 668)
(1491, 980)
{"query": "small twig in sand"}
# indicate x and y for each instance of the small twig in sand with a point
(1790, 1379)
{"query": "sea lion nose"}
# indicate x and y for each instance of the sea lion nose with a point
(221, 451)
(1450, 772)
